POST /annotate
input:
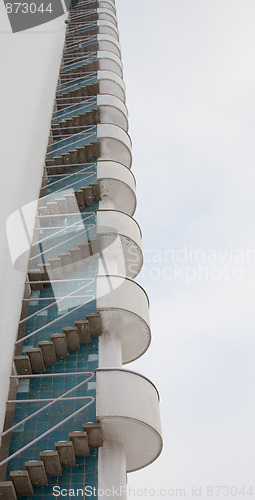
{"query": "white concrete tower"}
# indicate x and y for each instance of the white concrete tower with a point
(74, 415)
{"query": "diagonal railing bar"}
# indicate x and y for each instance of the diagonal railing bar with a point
(64, 228)
(85, 101)
(49, 431)
(85, 136)
(59, 299)
(89, 228)
(92, 297)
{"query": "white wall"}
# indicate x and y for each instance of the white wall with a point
(29, 64)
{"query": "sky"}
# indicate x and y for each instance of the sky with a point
(190, 77)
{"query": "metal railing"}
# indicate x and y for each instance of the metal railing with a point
(86, 102)
(57, 300)
(43, 200)
(89, 133)
(80, 44)
(84, 59)
(62, 230)
(52, 401)
(86, 76)
(62, 316)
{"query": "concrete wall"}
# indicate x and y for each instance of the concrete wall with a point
(29, 64)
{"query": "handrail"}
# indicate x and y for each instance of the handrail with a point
(86, 58)
(93, 164)
(92, 226)
(87, 134)
(82, 98)
(78, 56)
(87, 75)
(92, 297)
(90, 215)
(59, 299)
(65, 128)
(87, 38)
(86, 102)
(90, 375)
(78, 45)
(88, 176)
(79, 75)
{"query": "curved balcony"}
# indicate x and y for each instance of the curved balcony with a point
(128, 409)
(111, 83)
(108, 28)
(112, 110)
(107, 4)
(109, 43)
(110, 62)
(124, 311)
(121, 241)
(117, 187)
(101, 13)
(115, 144)
(107, 15)
(108, 82)
(102, 60)
(103, 42)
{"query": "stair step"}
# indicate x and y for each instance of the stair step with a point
(37, 472)
(89, 118)
(97, 115)
(45, 271)
(48, 352)
(95, 323)
(51, 462)
(95, 246)
(94, 432)
(88, 197)
(74, 157)
(90, 151)
(65, 158)
(56, 269)
(7, 491)
(82, 155)
(80, 198)
(80, 443)
(36, 359)
(66, 262)
(66, 453)
(76, 257)
(52, 208)
(72, 338)
(35, 275)
(62, 205)
(71, 202)
(96, 149)
(83, 330)
(44, 221)
(85, 250)
(60, 344)
(95, 191)
(22, 365)
(22, 483)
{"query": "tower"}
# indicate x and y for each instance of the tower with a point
(75, 417)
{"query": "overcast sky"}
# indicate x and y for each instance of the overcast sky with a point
(190, 77)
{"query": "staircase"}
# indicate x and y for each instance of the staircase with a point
(35, 360)
(24, 482)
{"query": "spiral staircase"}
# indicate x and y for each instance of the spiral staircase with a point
(83, 315)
